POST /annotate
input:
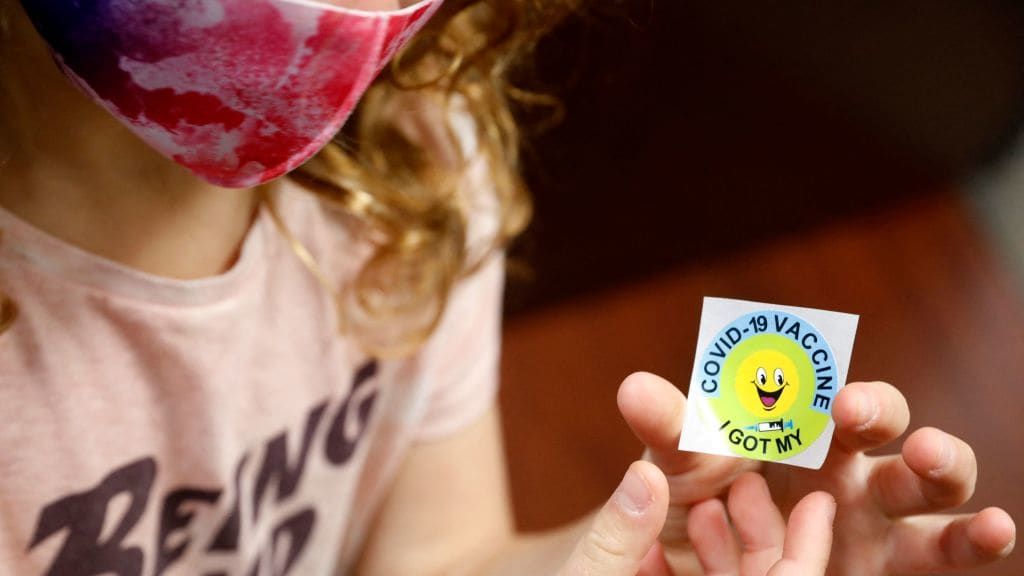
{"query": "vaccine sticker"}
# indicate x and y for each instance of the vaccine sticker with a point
(764, 381)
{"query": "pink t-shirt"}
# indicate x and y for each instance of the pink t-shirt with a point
(219, 426)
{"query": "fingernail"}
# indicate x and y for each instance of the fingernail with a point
(833, 506)
(633, 495)
(945, 459)
(1007, 549)
(867, 412)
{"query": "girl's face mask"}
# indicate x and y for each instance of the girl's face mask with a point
(238, 91)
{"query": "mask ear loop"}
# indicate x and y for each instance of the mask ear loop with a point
(8, 310)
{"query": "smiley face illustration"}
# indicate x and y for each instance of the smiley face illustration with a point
(767, 383)
(764, 383)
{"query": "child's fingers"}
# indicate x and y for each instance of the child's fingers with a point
(713, 540)
(935, 472)
(624, 530)
(654, 563)
(758, 522)
(868, 415)
(927, 544)
(808, 537)
(654, 409)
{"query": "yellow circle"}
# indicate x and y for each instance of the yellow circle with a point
(767, 383)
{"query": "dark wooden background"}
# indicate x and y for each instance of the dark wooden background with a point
(787, 153)
(708, 127)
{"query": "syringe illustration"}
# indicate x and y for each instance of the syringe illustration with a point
(771, 426)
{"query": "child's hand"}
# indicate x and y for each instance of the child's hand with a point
(880, 528)
(767, 546)
(623, 532)
(621, 539)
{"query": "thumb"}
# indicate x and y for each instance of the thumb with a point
(624, 530)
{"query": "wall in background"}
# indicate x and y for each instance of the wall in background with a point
(702, 128)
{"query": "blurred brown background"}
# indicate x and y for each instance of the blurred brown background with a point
(855, 156)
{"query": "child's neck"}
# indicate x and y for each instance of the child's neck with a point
(68, 168)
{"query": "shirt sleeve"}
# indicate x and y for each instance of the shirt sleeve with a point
(461, 359)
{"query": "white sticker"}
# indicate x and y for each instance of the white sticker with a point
(764, 380)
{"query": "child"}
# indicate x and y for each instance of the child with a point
(297, 375)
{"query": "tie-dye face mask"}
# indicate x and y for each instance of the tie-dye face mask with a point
(238, 91)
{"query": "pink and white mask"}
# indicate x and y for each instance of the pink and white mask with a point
(238, 91)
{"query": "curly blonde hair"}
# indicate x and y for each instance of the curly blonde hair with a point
(402, 188)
